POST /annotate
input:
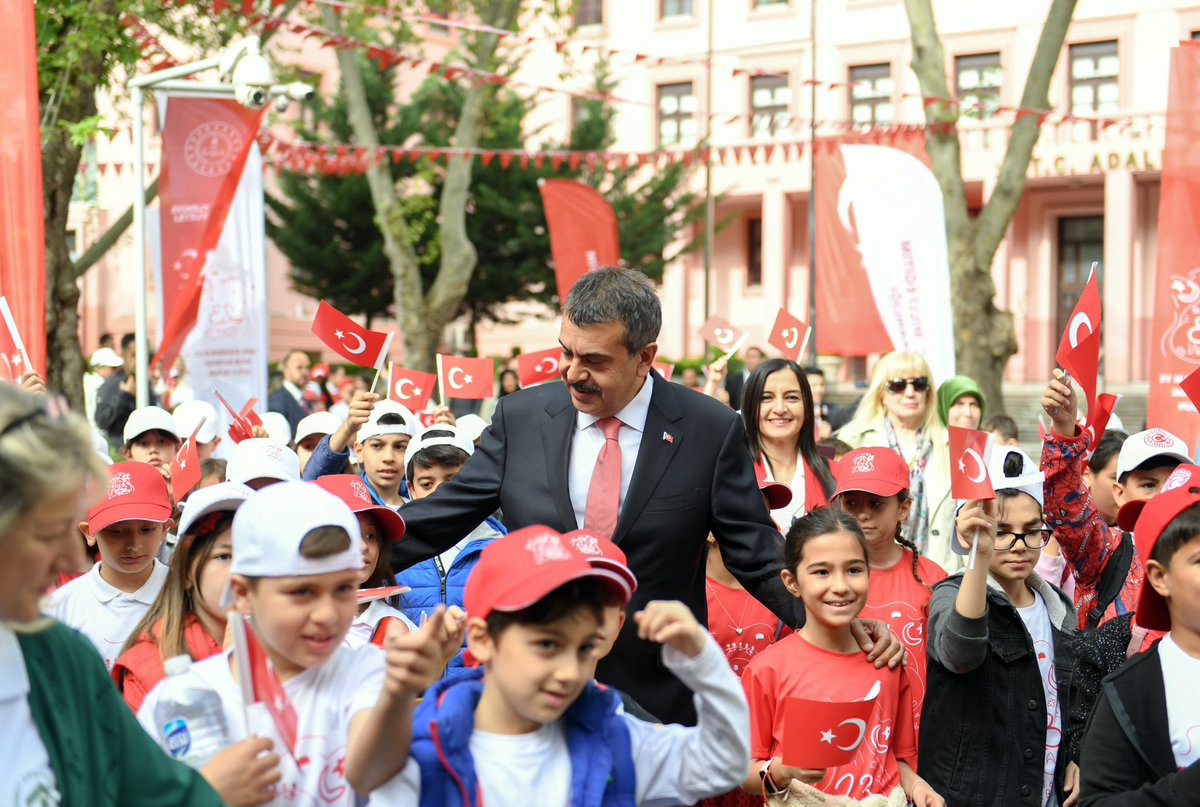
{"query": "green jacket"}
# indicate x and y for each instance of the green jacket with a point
(99, 752)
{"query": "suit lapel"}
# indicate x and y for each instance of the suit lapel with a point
(660, 440)
(557, 432)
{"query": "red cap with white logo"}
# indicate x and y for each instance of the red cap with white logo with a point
(881, 471)
(603, 553)
(351, 489)
(136, 490)
(516, 571)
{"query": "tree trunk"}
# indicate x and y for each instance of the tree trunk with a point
(64, 357)
(984, 335)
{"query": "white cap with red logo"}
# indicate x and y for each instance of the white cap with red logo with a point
(1142, 447)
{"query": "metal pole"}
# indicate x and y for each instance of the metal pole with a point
(139, 252)
(709, 213)
(812, 191)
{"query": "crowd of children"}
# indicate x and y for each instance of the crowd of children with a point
(1055, 669)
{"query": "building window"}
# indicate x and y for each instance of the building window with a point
(753, 252)
(589, 12)
(1080, 244)
(978, 83)
(674, 8)
(1094, 87)
(770, 102)
(871, 94)
(763, 3)
(676, 114)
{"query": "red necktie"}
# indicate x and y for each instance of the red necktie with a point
(604, 493)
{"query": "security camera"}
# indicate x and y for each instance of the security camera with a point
(299, 91)
(252, 96)
(245, 67)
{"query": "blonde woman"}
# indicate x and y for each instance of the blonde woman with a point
(899, 412)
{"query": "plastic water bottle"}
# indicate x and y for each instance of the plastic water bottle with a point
(192, 721)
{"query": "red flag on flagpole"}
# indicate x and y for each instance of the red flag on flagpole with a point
(411, 388)
(14, 361)
(348, 339)
(534, 368)
(583, 230)
(721, 334)
(1079, 351)
(465, 378)
(968, 465)
(256, 676)
(790, 335)
(185, 465)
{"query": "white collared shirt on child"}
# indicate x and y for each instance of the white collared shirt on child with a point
(102, 612)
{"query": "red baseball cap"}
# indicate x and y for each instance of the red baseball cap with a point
(521, 568)
(353, 491)
(778, 494)
(136, 490)
(1154, 516)
(602, 553)
(319, 371)
(881, 471)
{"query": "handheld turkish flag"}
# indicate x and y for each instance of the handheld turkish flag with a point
(665, 369)
(1191, 387)
(790, 335)
(968, 465)
(260, 684)
(185, 466)
(718, 332)
(534, 368)
(348, 339)
(583, 230)
(410, 387)
(1079, 351)
(818, 735)
(241, 424)
(14, 361)
(465, 378)
(1097, 420)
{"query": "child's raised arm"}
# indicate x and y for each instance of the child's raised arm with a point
(958, 619)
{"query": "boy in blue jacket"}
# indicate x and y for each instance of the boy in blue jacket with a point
(434, 457)
(532, 727)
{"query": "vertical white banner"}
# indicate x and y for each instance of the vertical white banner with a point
(901, 223)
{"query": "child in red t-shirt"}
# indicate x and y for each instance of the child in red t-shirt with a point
(873, 487)
(826, 567)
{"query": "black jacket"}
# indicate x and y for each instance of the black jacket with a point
(1127, 759)
(281, 401)
(983, 727)
(693, 476)
(114, 406)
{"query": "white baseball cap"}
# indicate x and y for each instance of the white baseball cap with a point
(373, 428)
(272, 524)
(1142, 447)
(189, 414)
(1030, 480)
(278, 429)
(149, 418)
(106, 357)
(471, 426)
(456, 438)
(316, 423)
(222, 496)
(262, 458)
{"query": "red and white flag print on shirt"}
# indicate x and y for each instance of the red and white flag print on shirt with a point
(535, 368)
(721, 334)
(789, 335)
(348, 339)
(1079, 351)
(969, 479)
(260, 684)
(411, 388)
(14, 363)
(465, 378)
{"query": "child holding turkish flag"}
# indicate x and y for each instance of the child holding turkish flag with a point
(826, 566)
(1000, 657)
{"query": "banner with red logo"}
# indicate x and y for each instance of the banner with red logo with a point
(22, 233)
(465, 378)
(536, 368)
(205, 142)
(789, 336)
(411, 388)
(583, 230)
(1175, 331)
(881, 236)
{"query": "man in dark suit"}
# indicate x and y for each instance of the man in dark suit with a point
(288, 400)
(735, 383)
(684, 471)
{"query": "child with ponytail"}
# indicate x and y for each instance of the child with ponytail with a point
(873, 487)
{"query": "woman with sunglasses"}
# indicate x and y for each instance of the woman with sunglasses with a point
(898, 412)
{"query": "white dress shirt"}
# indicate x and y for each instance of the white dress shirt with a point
(294, 391)
(589, 440)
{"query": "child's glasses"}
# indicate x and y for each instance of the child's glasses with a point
(898, 385)
(1034, 539)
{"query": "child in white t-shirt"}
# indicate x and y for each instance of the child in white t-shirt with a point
(532, 727)
(296, 560)
(1143, 741)
(128, 527)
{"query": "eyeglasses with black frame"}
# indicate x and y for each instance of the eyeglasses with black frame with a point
(899, 385)
(1034, 539)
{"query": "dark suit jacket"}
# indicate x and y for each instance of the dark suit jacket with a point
(700, 480)
(735, 384)
(281, 401)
